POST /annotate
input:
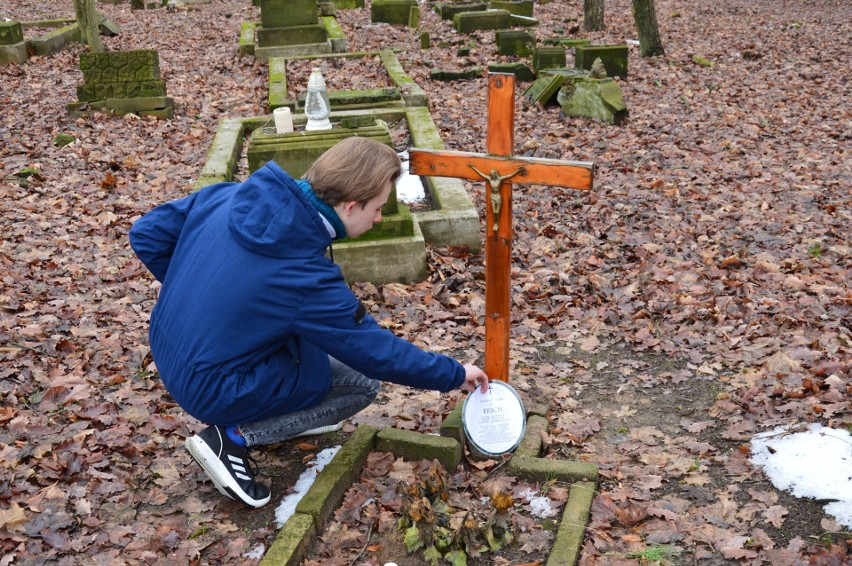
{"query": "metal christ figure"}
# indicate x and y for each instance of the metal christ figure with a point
(495, 180)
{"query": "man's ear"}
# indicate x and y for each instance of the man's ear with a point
(348, 206)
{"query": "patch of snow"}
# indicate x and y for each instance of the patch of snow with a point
(539, 504)
(409, 188)
(256, 552)
(815, 463)
(287, 507)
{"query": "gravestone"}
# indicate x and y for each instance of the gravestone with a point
(467, 22)
(544, 89)
(516, 7)
(522, 72)
(499, 170)
(614, 58)
(293, 27)
(13, 48)
(548, 58)
(448, 10)
(396, 12)
(515, 42)
(595, 96)
(123, 82)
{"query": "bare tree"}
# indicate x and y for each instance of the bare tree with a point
(593, 15)
(645, 19)
(87, 19)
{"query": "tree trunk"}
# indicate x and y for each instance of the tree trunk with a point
(645, 19)
(87, 19)
(593, 15)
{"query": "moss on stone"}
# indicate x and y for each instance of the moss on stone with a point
(416, 446)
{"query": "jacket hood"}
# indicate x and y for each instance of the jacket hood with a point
(270, 215)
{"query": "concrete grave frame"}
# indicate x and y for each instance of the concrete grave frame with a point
(407, 92)
(325, 495)
(453, 222)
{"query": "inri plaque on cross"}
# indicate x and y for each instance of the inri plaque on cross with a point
(499, 170)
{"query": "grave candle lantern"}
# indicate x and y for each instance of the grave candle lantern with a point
(317, 108)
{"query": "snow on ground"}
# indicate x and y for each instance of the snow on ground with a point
(287, 507)
(409, 188)
(815, 463)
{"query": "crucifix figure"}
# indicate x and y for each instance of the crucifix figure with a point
(502, 170)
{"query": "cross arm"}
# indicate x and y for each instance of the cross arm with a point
(530, 170)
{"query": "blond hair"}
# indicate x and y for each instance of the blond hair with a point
(355, 169)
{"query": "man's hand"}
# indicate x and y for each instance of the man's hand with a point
(472, 376)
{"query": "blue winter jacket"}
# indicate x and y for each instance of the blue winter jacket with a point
(251, 308)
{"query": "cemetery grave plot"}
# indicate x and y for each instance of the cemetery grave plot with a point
(399, 133)
(473, 510)
(340, 73)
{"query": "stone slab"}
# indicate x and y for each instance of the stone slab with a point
(120, 66)
(548, 57)
(448, 10)
(131, 89)
(467, 22)
(141, 103)
(247, 38)
(572, 528)
(417, 446)
(522, 72)
(516, 7)
(389, 260)
(16, 53)
(531, 443)
(295, 152)
(11, 32)
(54, 41)
(463, 74)
(396, 12)
(544, 89)
(540, 469)
(614, 58)
(266, 53)
(290, 36)
(515, 42)
(291, 542)
(288, 13)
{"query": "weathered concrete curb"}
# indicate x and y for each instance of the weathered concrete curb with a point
(324, 496)
(541, 469)
(416, 446)
(331, 484)
(291, 542)
(569, 538)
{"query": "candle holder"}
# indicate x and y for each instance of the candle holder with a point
(317, 107)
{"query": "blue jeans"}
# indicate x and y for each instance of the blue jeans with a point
(350, 392)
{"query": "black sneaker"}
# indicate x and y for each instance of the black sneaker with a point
(228, 466)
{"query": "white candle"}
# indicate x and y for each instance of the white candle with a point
(283, 120)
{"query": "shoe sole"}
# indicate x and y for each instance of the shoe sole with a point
(218, 474)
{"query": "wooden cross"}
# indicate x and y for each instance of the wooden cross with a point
(499, 170)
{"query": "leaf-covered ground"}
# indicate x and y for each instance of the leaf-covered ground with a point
(699, 295)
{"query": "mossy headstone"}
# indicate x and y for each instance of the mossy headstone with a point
(123, 82)
(11, 32)
(515, 42)
(13, 48)
(546, 57)
(517, 7)
(396, 12)
(597, 97)
(614, 58)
